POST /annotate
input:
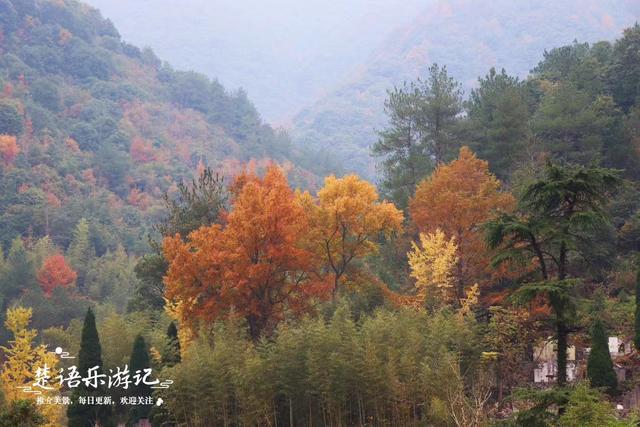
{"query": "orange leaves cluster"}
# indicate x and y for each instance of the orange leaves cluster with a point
(55, 272)
(255, 266)
(142, 151)
(139, 199)
(53, 200)
(457, 199)
(72, 145)
(8, 149)
(278, 251)
(64, 36)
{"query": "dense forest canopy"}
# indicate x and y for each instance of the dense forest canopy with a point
(150, 218)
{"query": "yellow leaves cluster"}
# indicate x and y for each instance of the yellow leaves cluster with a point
(346, 220)
(432, 264)
(23, 360)
(467, 304)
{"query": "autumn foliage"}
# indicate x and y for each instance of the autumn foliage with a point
(254, 267)
(457, 199)
(55, 272)
(8, 149)
(432, 264)
(347, 219)
(142, 151)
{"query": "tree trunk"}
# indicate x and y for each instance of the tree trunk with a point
(561, 331)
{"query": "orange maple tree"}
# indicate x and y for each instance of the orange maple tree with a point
(55, 272)
(457, 199)
(8, 149)
(254, 267)
(347, 219)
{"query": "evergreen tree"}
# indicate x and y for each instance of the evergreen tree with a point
(636, 338)
(498, 114)
(17, 276)
(196, 205)
(90, 355)
(423, 119)
(19, 273)
(600, 366)
(559, 216)
(624, 72)
(171, 354)
(140, 361)
(81, 251)
(570, 124)
(11, 121)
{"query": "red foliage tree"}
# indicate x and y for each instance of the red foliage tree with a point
(55, 272)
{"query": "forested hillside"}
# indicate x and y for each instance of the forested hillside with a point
(469, 37)
(169, 260)
(97, 128)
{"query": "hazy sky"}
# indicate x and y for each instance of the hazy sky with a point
(284, 52)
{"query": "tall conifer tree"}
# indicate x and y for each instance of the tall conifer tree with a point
(600, 366)
(90, 355)
(171, 354)
(140, 361)
(81, 251)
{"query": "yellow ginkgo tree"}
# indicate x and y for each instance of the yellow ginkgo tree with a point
(23, 362)
(433, 261)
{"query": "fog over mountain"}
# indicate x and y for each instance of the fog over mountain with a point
(467, 36)
(285, 53)
(322, 68)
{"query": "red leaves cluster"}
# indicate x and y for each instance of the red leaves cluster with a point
(55, 272)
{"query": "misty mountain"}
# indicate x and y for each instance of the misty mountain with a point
(285, 53)
(469, 37)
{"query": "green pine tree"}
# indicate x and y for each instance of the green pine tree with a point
(16, 276)
(140, 361)
(81, 251)
(423, 121)
(19, 271)
(600, 366)
(636, 338)
(498, 119)
(558, 210)
(90, 355)
(171, 355)
(197, 204)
